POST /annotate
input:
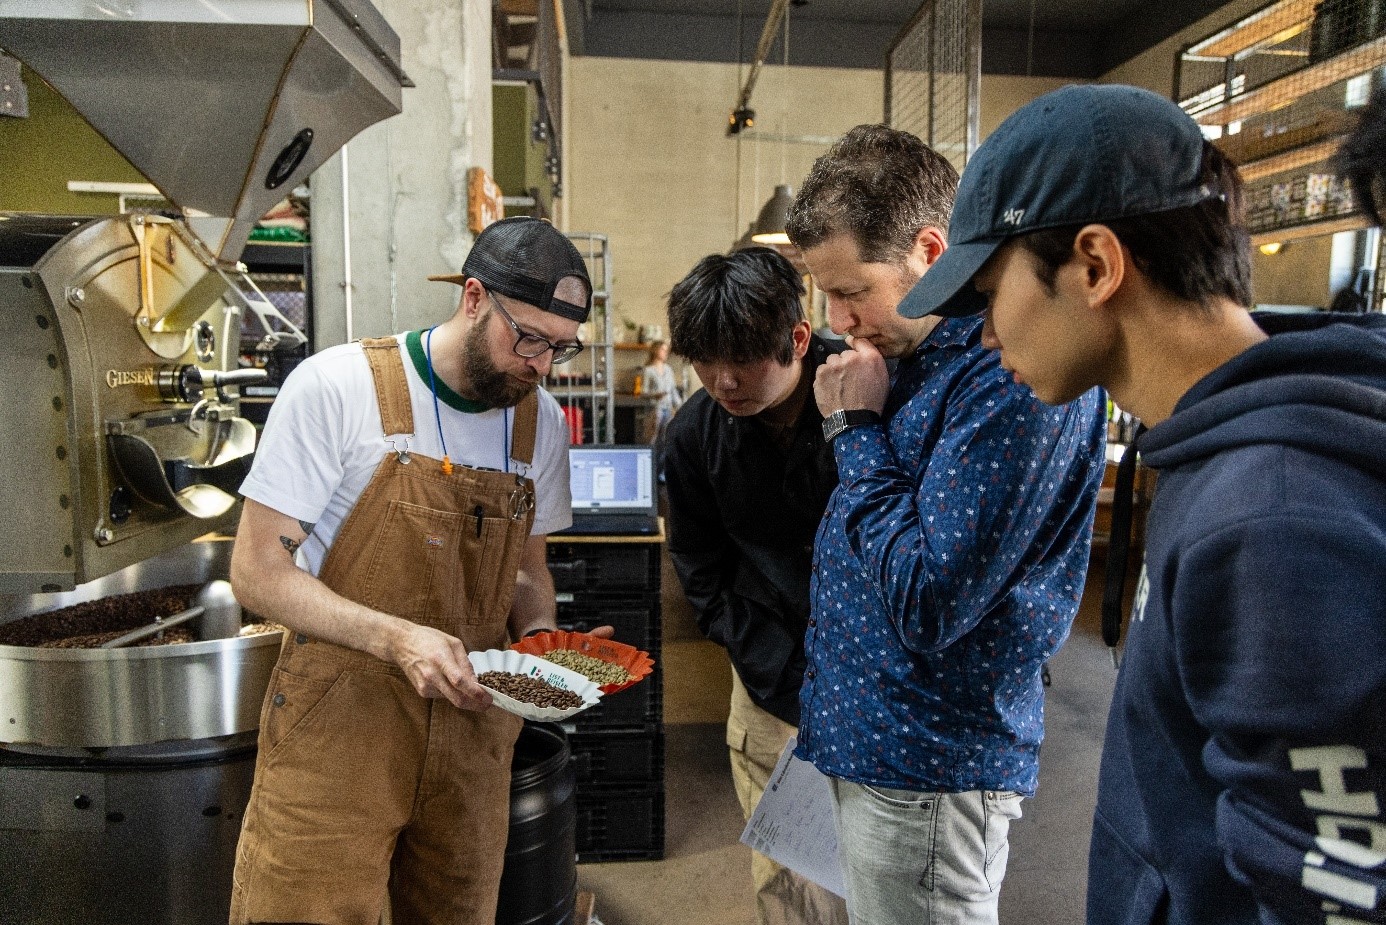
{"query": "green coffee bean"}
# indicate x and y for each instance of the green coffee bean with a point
(597, 670)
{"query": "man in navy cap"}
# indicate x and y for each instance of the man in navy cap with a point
(950, 561)
(1244, 774)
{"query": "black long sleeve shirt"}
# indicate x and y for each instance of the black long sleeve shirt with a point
(743, 513)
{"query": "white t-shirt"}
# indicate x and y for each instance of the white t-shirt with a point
(323, 442)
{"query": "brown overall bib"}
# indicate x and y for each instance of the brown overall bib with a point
(359, 781)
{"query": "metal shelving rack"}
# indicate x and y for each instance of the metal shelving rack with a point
(584, 386)
(1275, 91)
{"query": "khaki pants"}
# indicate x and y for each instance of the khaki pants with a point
(756, 739)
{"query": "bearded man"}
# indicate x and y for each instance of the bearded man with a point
(395, 519)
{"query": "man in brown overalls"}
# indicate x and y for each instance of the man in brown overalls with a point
(395, 520)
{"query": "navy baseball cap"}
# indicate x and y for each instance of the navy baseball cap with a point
(1081, 154)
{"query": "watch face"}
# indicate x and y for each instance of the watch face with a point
(834, 424)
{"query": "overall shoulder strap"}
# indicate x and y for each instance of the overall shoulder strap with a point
(391, 384)
(526, 426)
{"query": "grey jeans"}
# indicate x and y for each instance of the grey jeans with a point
(923, 858)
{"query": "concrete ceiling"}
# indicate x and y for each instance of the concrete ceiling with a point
(1081, 39)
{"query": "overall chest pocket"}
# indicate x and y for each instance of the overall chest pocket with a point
(437, 568)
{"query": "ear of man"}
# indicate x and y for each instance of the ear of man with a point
(930, 243)
(801, 334)
(1102, 262)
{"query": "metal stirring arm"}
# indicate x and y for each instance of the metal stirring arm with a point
(280, 332)
(158, 626)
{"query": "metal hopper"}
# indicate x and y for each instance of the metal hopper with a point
(224, 105)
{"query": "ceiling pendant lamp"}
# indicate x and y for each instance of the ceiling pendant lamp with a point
(769, 224)
(774, 215)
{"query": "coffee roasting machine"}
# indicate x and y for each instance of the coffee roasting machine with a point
(124, 771)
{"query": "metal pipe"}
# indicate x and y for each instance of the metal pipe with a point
(767, 38)
(346, 245)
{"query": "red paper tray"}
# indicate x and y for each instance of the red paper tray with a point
(637, 664)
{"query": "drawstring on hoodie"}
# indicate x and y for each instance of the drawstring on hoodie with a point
(1119, 548)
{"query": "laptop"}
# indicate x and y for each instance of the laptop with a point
(613, 490)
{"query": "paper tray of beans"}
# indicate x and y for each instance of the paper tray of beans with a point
(613, 666)
(528, 686)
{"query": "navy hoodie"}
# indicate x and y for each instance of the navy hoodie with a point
(1244, 773)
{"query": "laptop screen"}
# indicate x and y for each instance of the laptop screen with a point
(617, 479)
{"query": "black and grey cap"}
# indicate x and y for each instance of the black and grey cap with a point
(1084, 153)
(526, 259)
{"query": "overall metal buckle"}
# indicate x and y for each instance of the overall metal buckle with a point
(401, 454)
(521, 502)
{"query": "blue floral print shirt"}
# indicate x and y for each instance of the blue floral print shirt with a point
(947, 569)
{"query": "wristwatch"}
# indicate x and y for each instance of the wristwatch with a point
(835, 423)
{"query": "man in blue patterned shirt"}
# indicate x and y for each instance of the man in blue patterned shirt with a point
(950, 563)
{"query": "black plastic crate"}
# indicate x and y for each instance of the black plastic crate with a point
(613, 756)
(641, 704)
(636, 622)
(620, 823)
(597, 567)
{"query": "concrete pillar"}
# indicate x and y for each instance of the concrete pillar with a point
(402, 212)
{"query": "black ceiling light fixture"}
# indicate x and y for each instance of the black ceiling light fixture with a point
(742, 115)
(769, 227)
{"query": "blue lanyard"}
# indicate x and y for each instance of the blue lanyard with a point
(438, 418)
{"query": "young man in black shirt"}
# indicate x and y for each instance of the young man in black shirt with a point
(749, 474)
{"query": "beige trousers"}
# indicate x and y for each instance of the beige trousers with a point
(756, 739)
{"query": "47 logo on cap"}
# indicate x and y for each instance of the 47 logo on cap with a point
(1012, 216)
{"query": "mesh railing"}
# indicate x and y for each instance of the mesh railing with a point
(1276, 92)
(933, 71)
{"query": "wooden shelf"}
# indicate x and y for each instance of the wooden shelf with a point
(1289, 87)
(1312, 228)
(1289, 160)
(1276, 23)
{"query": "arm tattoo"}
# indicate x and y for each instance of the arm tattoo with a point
(290, 545)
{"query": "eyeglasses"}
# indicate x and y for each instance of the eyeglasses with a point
(530, 345)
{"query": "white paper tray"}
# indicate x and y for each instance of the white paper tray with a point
(512, 662)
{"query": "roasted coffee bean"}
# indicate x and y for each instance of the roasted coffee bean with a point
(529, 689)
(596, 670)
(94, 640)
(115, 615)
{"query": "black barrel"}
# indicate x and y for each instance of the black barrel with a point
(539, 884)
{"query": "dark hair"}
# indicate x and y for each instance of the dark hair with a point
(1362, 157)
(738, 308)
(1196, 253)
(881, 186)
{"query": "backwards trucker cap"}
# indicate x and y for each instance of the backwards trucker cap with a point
(526, 258)
(1077, 155)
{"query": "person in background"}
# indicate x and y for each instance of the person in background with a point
(395, 520)
(1243, 777)
(657, 382)
(951, 559)
(1362, 156)
(748, 476)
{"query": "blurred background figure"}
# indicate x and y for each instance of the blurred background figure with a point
(1362, 157)
(657, 382)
